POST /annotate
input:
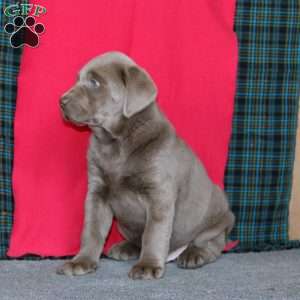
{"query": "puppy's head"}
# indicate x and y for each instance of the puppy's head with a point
(108, 88)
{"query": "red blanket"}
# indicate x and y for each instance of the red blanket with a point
(190, 50)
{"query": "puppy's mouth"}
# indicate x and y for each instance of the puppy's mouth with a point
(67, 118)
(64, 115)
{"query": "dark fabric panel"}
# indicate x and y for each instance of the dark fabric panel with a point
(259, 171)
(9, 69)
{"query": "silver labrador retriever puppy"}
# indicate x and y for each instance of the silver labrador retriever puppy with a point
(141, 173)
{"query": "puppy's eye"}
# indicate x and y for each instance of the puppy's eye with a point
(93, 83)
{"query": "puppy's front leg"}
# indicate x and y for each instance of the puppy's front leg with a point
(155, 242)
(98, 220)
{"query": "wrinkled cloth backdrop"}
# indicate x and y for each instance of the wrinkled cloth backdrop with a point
(260, 166)
(263, 28)
(189, 48)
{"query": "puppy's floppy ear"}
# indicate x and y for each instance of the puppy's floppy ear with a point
(141, 90)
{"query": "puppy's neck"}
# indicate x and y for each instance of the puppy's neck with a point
(134, 131)
(102, 136)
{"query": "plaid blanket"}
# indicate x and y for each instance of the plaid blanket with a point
(9, 68)
(258, 176)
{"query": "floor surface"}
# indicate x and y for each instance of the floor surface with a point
(267, 275)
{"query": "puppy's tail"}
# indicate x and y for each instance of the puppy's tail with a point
(231, 222)
(229, 218)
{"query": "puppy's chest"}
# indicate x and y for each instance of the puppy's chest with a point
(126, 192)
(122, 175)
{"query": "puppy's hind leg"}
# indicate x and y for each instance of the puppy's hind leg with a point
(208, 245)
(124, 250)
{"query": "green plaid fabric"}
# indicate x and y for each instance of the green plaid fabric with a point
(258, 175)
(259, 171)
(9, 68)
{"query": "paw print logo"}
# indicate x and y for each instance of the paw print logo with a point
(24, 31)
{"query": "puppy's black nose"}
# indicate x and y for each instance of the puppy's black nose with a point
(64, 100)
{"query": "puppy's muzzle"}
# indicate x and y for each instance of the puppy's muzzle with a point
(63, 103)
(64, 100)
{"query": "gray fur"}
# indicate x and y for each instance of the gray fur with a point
(142, 173)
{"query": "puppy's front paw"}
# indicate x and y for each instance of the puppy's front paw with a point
(124, 251)
(146, 271)
(77, 266)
